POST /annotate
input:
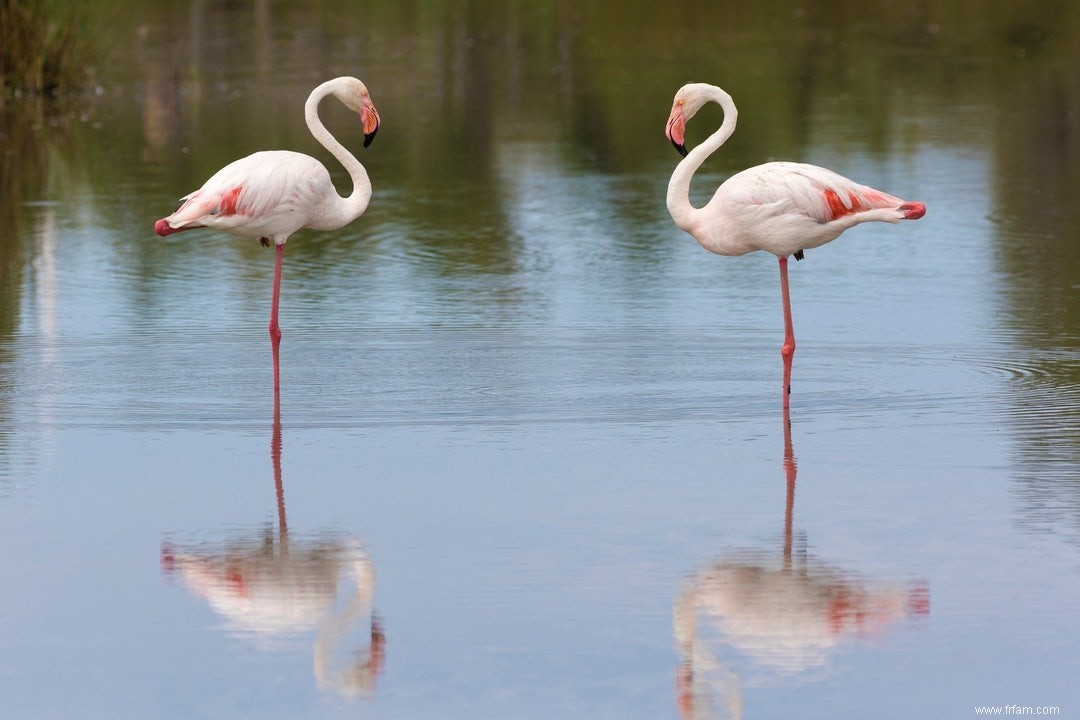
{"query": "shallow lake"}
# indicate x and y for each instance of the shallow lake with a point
(528, 459)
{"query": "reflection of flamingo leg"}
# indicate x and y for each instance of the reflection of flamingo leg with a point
(275, 459)
(790, 468)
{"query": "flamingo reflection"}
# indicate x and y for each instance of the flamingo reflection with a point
(783, 615)
(267, 584)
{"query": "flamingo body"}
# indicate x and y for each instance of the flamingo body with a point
(269, 194)
(781, 207)
(785, 207)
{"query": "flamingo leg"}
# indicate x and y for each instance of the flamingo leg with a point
(787, 350)
(275, 330)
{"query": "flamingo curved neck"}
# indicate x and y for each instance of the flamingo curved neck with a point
(678, 194)
(346, 209)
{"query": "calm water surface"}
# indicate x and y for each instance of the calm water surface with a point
(528, 459)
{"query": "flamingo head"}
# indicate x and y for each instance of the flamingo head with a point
(355, 96)
(688, 101)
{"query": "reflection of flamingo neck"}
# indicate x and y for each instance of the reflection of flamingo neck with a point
(699, 663)
(275, 459)
(790, 468)
(360, 678)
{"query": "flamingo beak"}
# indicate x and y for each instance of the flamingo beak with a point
(369, 118)
(676, 128)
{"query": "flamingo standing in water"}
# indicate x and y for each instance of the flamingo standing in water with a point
(782, 207)
(271, 194)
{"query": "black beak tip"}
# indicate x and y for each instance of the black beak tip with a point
(369, 137)
(680, 148)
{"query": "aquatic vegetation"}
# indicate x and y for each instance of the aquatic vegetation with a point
(45, 47)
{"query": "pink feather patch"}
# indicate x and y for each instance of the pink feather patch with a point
(230, 201)
(837, 208)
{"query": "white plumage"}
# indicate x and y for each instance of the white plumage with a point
(784, 207)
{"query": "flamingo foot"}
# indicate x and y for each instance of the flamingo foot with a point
(913, 210)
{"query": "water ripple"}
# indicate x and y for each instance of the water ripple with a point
(503, 376)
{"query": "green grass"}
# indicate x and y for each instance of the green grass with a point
(45, 48)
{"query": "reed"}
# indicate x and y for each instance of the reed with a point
(45, 48)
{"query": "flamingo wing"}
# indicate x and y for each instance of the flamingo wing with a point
(797, 188)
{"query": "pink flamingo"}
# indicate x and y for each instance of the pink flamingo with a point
(782, 207)
(271, 194)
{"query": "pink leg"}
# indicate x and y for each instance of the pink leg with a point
(787, 350)
(275, 330)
